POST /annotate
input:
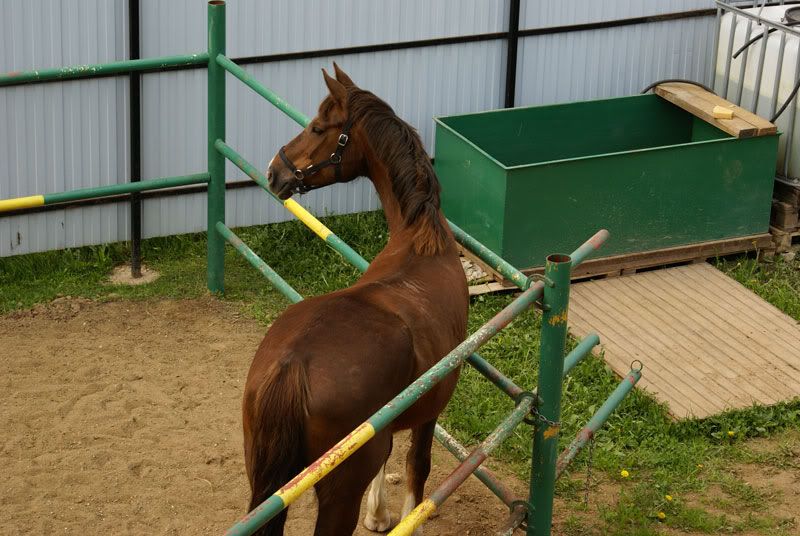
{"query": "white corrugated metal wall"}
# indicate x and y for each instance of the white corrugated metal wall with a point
(66, 135)
(608, 62)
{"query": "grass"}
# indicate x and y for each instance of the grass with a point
(684, 459)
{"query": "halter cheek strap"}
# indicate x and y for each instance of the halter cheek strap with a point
(334, 160)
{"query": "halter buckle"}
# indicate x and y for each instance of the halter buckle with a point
(299, 175)
(336, 159)
(343, 139)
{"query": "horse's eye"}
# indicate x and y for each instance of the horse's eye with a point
(317, 130)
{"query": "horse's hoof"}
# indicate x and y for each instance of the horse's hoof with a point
(378, 524)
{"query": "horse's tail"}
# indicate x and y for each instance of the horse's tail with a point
(276, 443)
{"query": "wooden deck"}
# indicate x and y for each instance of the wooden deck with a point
(707, 343)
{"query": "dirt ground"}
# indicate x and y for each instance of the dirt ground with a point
(124, 418)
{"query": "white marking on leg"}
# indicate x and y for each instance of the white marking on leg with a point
(409, 504)
(377, 518)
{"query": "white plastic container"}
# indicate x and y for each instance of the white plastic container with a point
(789, 74)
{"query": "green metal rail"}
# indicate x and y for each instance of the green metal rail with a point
(279, 102)
(251, 257)
(117, 67)
(101, 191)
(552, 290)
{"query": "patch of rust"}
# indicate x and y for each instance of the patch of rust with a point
(558, 318)
(551, 432)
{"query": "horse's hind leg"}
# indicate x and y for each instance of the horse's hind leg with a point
(378, 518)
(339, 494)
(418, 466)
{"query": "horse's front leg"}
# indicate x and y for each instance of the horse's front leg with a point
(418, 467)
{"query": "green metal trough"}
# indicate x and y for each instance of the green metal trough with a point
(529, 181)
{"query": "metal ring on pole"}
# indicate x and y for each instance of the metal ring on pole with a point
(639, 368)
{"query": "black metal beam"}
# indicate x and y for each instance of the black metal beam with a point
(135, 139)
(618, 22)
(406, 45)
(511, 53)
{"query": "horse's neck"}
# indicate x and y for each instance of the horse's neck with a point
(379, 175)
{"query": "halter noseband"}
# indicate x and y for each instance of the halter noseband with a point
(334, 160)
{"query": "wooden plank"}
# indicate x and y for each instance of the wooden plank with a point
(707, 343)
(763, 126)
(637, 323)
(782, 239)
(788, 193)
(661, 257)
(747, 350)
(754, 314)
(727, 362)
(701, 108)
(784, 216)
(486, 288)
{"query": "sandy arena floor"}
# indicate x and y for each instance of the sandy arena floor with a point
(124, 418)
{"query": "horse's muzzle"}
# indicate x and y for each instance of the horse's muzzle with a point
(282, 186)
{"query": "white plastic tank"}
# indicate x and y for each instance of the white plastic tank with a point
(788, 76)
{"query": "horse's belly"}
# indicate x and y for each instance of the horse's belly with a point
(429, 406)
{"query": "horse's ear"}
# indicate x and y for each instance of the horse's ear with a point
(342, 77)
(338, 91)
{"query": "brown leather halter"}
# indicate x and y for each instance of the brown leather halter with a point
(334, 160)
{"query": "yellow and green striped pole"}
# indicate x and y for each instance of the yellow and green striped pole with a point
(295, 208)
(17, 203)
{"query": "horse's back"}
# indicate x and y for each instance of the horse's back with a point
(357, 355)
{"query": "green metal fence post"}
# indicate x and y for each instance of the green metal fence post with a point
(216, 162)
(551, 367)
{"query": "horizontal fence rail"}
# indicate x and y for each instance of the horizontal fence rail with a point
(102, 69)
(101, 191)
(251, 257)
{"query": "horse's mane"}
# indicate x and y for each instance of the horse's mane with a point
(414, 182)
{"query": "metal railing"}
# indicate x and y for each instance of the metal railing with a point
(759, 32)
(552, 292)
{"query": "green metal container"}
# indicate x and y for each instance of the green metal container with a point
(528, 182)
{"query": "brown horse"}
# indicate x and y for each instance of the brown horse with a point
(329, 362)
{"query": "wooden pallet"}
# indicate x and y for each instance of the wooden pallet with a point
(784, 239)
(784, 216)
(785, 219)
(632, 263)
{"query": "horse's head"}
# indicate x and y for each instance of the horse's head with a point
(323, 153)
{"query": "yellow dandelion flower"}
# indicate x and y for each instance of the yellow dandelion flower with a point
(668, 498)
(731, 433)
(624, 473)
(662, 516)
(699, 465)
